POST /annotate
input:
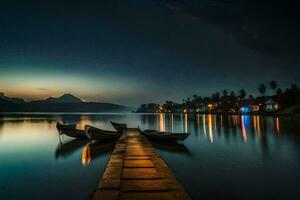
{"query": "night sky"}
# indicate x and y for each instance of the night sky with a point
(132, 52)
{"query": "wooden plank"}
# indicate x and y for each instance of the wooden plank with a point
(136, 171)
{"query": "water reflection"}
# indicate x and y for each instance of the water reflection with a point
(89, 151)
(244, 127)
(211, 135)
(175, 148)
(86, 156)
(68, 148)
(185, 126)
(204, 124)
(277, 125)
(219, 127)
(228, 152)
(162, 124)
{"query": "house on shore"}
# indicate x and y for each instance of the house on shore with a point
(271, 105)
(250, 105)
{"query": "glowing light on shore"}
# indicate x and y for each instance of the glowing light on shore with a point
(211, 136)
(198, 120)
(221, 120)
(235, 120)
(215, 122)
(185, 123)
(172, 122)
(277, 124)
(256, 122)
(162, 126)
(204, 124)
(244, 132)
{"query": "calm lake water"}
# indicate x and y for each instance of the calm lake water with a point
(225, 157)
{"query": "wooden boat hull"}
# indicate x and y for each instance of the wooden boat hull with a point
(164, 136)
(119, 127)
(75, 133)
(94, 133)
(61, 127)
(71, 131)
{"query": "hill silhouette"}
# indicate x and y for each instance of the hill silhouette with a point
(64, 103)
(66, 98)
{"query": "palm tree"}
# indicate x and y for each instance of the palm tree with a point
(195, 97)
(232, 94)
(225, 93)
(242, 94)
(273, 85)
(215, 96)
(262, 89)
(188, 101)
(294, 88)
(279, 92)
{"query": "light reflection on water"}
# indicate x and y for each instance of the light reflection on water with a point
(248, 157)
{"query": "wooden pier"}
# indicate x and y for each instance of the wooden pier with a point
(135, 171)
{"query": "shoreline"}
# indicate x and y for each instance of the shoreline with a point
(150, 113)
(226, 113)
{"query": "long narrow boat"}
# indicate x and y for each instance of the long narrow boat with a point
(119, 127)
(163, 136)
(70, 130)
(62, 127)
(94, 133)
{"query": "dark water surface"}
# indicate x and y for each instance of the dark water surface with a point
(225, 157)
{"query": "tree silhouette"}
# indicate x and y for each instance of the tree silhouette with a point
(273, 85)
(225, 93)
(294, 88)
(215, 96)
(279, 92)
(195, 97)
(188, 102)
(242, 93)
(262, 89)
(232, 94)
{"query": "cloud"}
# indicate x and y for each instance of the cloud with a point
(43, 89)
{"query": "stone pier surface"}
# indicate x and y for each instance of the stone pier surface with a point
(135, 171)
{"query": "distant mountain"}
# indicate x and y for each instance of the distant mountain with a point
(4, 99)
(64, 103)
(66, 98)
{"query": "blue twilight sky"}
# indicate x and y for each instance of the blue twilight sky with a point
(137, 51)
